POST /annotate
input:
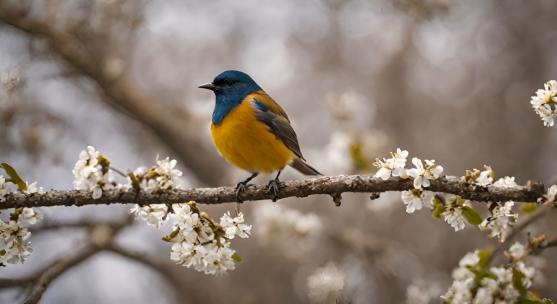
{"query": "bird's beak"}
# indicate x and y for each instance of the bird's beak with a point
(208, 86)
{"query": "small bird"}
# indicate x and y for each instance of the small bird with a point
(251, 131)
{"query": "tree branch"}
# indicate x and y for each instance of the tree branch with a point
(544, 210)
(101, 237)
(57, 268)
(330, 185)
(172, 126)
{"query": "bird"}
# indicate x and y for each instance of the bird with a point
(251, 131)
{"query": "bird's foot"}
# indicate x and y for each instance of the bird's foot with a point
(274, 188)
(240, 188)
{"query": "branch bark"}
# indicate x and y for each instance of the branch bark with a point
(101, 238)
(330, 185)
(57, 268)
(171, 126)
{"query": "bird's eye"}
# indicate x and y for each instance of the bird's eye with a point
(229, 83)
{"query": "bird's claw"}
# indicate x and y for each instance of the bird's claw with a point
(240, 188)
(274, 187)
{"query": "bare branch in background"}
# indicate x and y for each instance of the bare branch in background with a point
(101, 237)
(172, 127)
(331, 185)
(54, 270)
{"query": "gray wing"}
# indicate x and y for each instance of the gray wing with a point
(278, 125)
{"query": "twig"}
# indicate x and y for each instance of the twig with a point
(57, 268)
(330, 185)
(517, 229)
(101, 236)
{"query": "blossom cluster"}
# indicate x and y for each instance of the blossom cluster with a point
(201, 243)
(474, 282)
(14, 238)
(545, 103)
(92, 172)
(198, 241)
(294, 232)
(453, 209)
(423, 172)
(162, 176)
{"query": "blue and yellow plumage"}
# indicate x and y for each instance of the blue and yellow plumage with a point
(251, 131)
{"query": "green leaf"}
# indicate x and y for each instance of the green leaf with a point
(438, 207)
(171, 235)
(14, 177)
(471, 215)
(529, 207)
(2, 252)
(236, 257)
(485, 255)
(518, 279)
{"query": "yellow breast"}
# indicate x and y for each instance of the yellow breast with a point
(247, 143)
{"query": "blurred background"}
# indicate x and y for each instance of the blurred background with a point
(448, 80)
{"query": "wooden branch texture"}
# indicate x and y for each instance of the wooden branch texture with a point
(329, 185)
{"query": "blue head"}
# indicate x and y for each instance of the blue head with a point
(230, 88)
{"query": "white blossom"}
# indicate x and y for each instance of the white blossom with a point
(219, 260)
(33, 188)
(528, 272)
(505, 182)
(165, 175)
(235, 226)
(200, 243)
(551, 194)
(461, 288)
(469, 259)
(486, 177)
(506, 290)
(455, 218)
(14, 243)
(424, 173)
(517, 251)
(154, 214)
(90, 174)
(544, 103)
(325, 285)
(394, 166)
(497, 287)
(30, 215)
(416, 199)
(501, 218)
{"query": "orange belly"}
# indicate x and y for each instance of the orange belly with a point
(248, 144)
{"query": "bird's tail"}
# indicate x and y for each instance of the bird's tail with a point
(301, 165)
